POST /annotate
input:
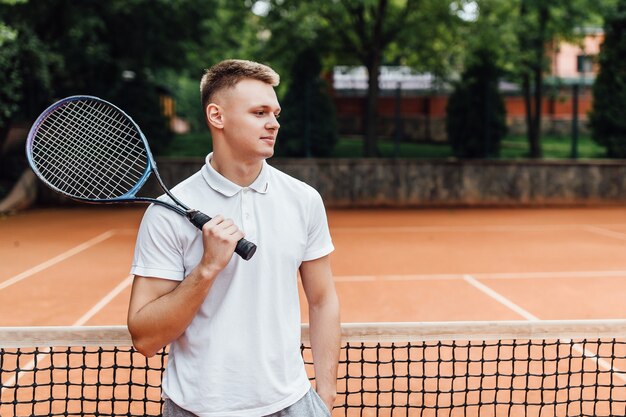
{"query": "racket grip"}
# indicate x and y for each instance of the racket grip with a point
(244, 248)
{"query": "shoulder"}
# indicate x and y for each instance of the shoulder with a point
(292, 185)
(189, 192)
(167, 221)
(189, 186)
(159, 220)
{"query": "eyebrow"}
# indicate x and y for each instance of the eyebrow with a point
(266, 106)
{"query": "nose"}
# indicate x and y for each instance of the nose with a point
(273, 124)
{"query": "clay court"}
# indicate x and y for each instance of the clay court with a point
(70, 266)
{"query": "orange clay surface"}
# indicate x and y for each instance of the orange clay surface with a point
(70, 266)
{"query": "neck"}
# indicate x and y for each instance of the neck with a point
(238, 172)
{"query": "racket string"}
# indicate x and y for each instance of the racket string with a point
(90, 150)
(136, 152)
(100, 133)
(69, 158)
(113, 147)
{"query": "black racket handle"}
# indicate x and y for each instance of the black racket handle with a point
(244, 248)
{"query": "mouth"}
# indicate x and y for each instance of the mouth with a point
(268, 139)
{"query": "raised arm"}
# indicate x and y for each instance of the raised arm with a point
(160, 310)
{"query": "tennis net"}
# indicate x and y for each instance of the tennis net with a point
(543, 368)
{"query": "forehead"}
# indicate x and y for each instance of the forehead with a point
(251, 93)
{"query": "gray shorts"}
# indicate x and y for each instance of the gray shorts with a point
(311, 405)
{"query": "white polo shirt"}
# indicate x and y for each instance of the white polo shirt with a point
(240, 356)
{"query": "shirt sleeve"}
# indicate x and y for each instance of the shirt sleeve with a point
(319, 242)
(158, 250)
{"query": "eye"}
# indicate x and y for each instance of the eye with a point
(277, 115)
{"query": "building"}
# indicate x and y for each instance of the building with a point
(416, 103)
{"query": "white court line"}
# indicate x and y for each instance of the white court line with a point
(57, 259)
(369, 278)
(586, 354)
(605, 232)
(502, 275)
(104, 301)
(453, 229)
(554, 274)
(500, 298)
(356, 278)
(128, 231)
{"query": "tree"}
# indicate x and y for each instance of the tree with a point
(368, 33)
(21, 57)
(230, 31)
(10, 79)
(476, 117)
(10, 75)
(539, 23)
(607, 121)
(310, 126)
(108, 49)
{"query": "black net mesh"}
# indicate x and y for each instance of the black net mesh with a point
(458, 378)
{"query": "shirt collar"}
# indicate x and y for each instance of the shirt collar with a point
(228, 188)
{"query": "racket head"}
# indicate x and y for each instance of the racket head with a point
(90, 150)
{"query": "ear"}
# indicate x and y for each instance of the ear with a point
(214, 116)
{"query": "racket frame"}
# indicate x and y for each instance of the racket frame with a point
(244, 248)
(129, 196)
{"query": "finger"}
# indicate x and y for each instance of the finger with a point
(215, 221)
(219, 219)
(232, 229)
(238, 235)
(219, 225)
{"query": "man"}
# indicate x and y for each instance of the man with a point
(234, 325)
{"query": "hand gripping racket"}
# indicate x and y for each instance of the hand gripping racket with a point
(90, 150)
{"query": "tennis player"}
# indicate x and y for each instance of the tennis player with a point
(234, 326)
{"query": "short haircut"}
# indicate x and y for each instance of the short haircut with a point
(227, 74)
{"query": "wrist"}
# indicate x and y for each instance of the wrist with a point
(328, 396)
(207, 272)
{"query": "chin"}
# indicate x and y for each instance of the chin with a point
(267, 152)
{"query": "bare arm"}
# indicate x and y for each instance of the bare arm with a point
(160, 310)
(325, 331)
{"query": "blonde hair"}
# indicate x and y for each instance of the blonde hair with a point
(227, 74)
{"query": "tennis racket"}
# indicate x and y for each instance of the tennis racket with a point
(90, 150)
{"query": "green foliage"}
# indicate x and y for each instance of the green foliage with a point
(494, 29)
(476, 117)
(53, 48)
(353, 148)
(520, 33)
(541, 23)
(308, 120)
(607, 119)
(536, 23)
(554, 146)
(36, 64)
(512, 147)
(370, 33)
(195, 144)
(234, 31)
(10, 79)
(140, 99)
(186, 91)
(68, 47)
